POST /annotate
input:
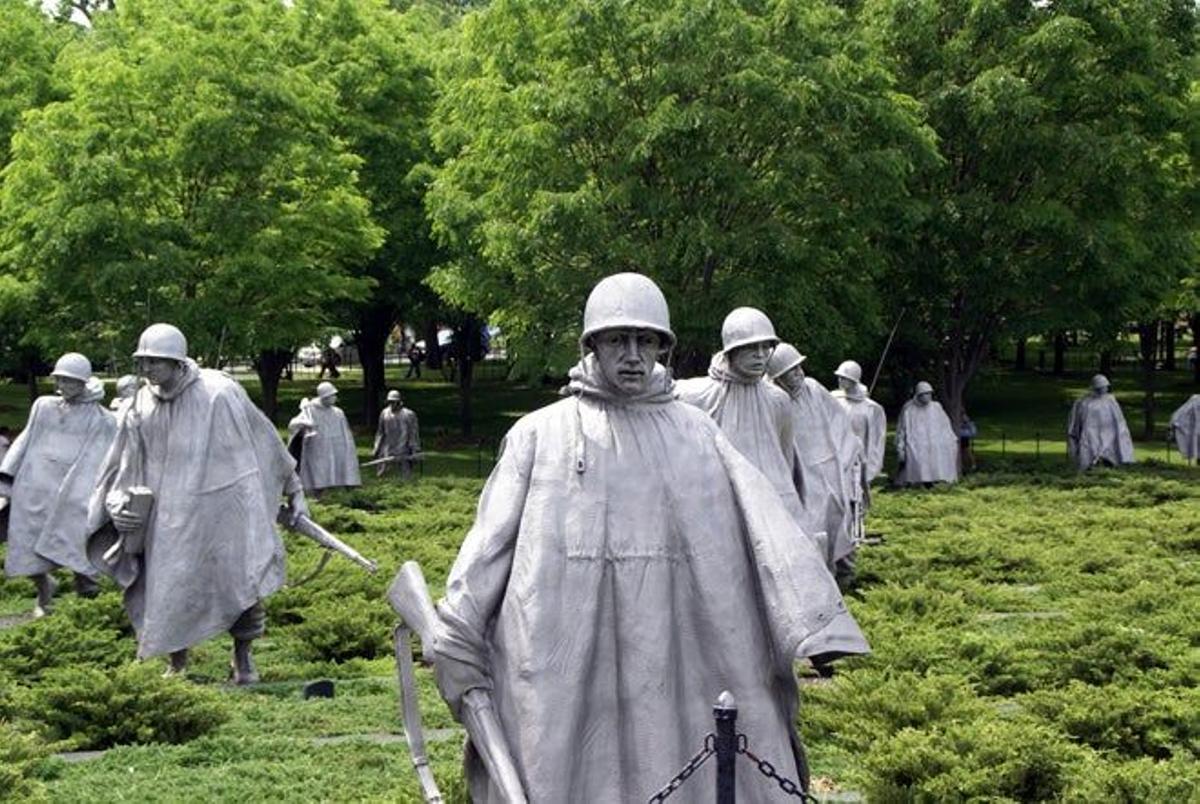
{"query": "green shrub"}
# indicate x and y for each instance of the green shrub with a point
(80, 632)
(93, 708)
(1102, 779)
(337, 629)
(20, 754)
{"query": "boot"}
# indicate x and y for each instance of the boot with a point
(85, 586)
(46, 587)
(178, 664)
(242, 669)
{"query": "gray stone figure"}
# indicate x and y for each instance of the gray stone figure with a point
(626, 565)
(49, 473)
(1185, 428)
(926, 443)
(825, 448)
(754, 414)
(1096, 429)
(328, 458)
(868, 421)
(127, 386)
(398, 437)
(201, 560)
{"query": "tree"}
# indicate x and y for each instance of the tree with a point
(737, 152)
(384, 92)
(1062, 201)
(190, 176)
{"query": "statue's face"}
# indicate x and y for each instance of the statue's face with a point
(159, 371)
(846, 384)
(626, 357)
(792, 379)
(751, 360)
(924, 398)
(68, 387)
(1100, 391)
(396, 404)
(329, 401)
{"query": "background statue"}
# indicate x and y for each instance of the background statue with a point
(49, 472)
(1096, 429)
(868, 421)
(626, 565)
(824, 446)
(327, 453)
(926, 442)
(398, 436)
(206, 553)
(127, 386)
(1185, 428)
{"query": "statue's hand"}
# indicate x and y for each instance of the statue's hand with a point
(297, 506)
(127, 521)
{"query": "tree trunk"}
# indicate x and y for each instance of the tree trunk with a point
(1019, 364)
(467, 350)
(1148, 346)
(269, 365)
(370, 335)
(1169, 344)
(1194, 323)
(433, 350)
(1106, 361)
(31, 379)
(1060, 353)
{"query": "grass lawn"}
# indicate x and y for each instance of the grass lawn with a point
(1036, 636)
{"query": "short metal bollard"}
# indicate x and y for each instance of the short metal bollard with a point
(725, 715)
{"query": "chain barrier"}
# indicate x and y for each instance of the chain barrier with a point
(691, 767)
(768, 770)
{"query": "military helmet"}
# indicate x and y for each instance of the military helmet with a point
(162, 340)
(923, 388)
(627, 300)
(1100, 382)
(744, 326)
(785, 358)
(326, 389)
(393, 395)
(73, 366)
(849, 370)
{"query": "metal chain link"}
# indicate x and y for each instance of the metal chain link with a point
(710, 748)
(768, 770)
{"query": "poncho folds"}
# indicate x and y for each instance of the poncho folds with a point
(217, 469)
(926, 443)
(826, 450)
(626, 565)
(54, 464)
(1185, 427)
(1096, 432)
(756, 417)
(398, 434)
(869, 423)
(328, 459)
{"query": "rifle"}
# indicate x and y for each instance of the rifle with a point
(409, 596)
(305, 526)
(886, 348)
(412, 456)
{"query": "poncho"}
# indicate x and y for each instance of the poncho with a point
(1096, 432)
(626, 565)
(869, 423)
(926, 443)
(328, 459)
(398, 434)
(756, 417)
(54, 464)
(217, 468)
(1185, 427)
(826, 449)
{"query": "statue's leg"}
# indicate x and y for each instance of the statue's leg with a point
(85, 586)
(248, 627)
(46, 586)
(178, 661)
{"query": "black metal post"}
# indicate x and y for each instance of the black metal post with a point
(1038, 448)
(1003, 444)
(725, 714)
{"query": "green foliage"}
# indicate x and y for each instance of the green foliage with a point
(92, 633)
(339, 628)
(20, 754)
(738, 153)
(130, 704)
(189, 175)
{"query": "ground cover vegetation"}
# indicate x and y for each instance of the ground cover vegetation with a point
(1034, 631)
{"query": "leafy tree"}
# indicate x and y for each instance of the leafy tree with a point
(1062, 200)
(375, 60)
(737, 152)
(190, 176)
